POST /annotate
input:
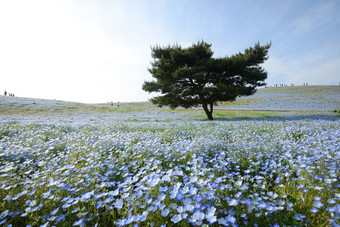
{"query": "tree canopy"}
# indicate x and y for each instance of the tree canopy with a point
(190, 77)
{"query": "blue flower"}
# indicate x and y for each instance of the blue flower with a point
(233, 202)
(300, 186)
(222, 221)
(44, 225)
(193, 191)
(318, 204)
(54, 211)
(80, 222)
(119, 204)
(165, 212)
(3, 221)
(179, 209)
(237, 195)
(231, 219)
(299, 217)
(173, 194)
(317, 198)
(4, 214)
(238, 183)
(163, 189)
(210, 215)
(331, 201)
(161, 197)
(121, 222)
(61, 217)
(176, 218)
(197, 216)
(314, 210)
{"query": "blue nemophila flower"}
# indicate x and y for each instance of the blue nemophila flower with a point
(210, 215)
(125, 195)
(238, 183)
(15, 197)
(179, 209)
(317, 198)
(299, 217)
(74, 210)
(189, 207)
(300, 186)
(238, 194)
(330, 209)
(192, 190)
(233, 202)
(165, 212)
(80, 222)
(85, 197)
(45, 225)
(30, 203)
(121, 222)
(3, 221)
(79, 215)
(318, 188)
(318, 204)
(184, 215)
(314, 210)
(222, 221)
(179, 196)
(231, 219)
(197, 216)
(163, 189)
(161, 197)
(176, 218)
(4, 214)
(262, 205)
(119, 204)
(8, 197)
(331, 201)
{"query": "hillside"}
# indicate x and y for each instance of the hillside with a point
(267, 102)
(311, 98)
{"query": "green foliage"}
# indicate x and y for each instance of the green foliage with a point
(189, 77)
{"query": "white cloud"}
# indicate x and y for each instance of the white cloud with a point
(311, 69)
(51, 50)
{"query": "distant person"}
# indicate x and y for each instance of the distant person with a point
(5, 92)
(118, 104)
(111, 103)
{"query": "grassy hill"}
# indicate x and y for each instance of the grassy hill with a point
(311, 98)
(266, 102)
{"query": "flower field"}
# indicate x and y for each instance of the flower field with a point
(187, 173)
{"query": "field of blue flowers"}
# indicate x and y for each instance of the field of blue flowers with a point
(186, 173)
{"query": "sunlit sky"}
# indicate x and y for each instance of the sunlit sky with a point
(99, 51)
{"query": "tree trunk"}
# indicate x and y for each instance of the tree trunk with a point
(207, 111)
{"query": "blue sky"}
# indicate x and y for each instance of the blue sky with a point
(99, 51)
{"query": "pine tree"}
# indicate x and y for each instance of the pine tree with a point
(190, 77)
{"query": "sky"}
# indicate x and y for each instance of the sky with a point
(97, 51)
